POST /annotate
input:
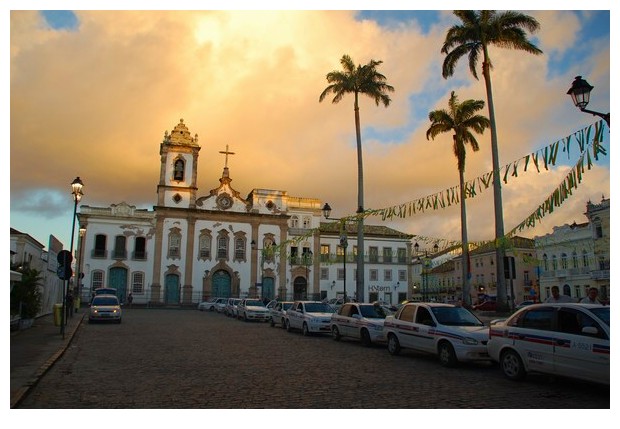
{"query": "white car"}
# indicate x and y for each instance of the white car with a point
(278, 311)
(231, 307)
(309, 317)
(360, 321)
(565, 339)
(212, 304)
(252, 309)
(452, 333)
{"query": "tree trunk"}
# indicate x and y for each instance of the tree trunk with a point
(465, 245)
(497, 191)
(359, 282)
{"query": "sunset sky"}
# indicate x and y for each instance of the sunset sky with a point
(92, 93)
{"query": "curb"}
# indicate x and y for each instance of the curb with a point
(23, 391)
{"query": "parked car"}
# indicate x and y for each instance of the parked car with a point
(105, 308)
(309, 317)
(453, 333)
(360, 321)
(278, 311)
(208, 305)
(252, 309)
(231, 307)
(486, 306)
(565, 339)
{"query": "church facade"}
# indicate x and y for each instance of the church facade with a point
(269, 244)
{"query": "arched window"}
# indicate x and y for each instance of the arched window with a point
(137, 283)
(566, 290)
(586, 261)
(222, 245)
(174, 245)
(554, 261)
(140, 248)
(100, 243)
(575, 260)
(120, 248)
(204, 245)
(294, 221)
(240, 249)
(96, 280)
(179, 169)
(564, 261)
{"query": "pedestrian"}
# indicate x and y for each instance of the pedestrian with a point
(129, 299)
(556, 297)
(69, 304)
(592, 297)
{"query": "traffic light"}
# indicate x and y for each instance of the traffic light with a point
(64, 270)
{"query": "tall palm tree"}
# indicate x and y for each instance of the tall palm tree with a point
(461, 119)
(360, 79)
(478, 31)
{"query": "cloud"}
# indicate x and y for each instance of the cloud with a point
(96, 102)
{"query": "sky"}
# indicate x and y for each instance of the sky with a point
(92, 93)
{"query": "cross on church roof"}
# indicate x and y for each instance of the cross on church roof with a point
(226, 152)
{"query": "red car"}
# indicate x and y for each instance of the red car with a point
(486, 306)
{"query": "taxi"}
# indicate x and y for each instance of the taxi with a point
(309, 317)
(564, 339)
(363, 322)
(451, 332)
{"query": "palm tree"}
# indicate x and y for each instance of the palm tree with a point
(478, 31)
(461, 118)
(360, 79)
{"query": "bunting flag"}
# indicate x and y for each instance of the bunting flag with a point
(589, 140)
(451, 196)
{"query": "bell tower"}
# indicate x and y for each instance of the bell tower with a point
(179, 168)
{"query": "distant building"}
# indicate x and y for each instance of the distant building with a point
(576, 257)
(268, 244)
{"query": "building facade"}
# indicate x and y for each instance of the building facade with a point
(191, 247)
(576, 257)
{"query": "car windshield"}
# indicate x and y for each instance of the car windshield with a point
(602, 313)
(318, 307)
(286, 306)
(455, 316)
(103, 300)
(254, 303)
(373, 311)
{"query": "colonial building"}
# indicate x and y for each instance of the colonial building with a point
(576, 257)
(190, 247)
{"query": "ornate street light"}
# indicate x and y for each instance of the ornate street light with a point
(580, 93)
(76, 192)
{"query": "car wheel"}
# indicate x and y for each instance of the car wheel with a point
(512, 365)
(393, 345)
(288, 326)
(365, 338)
(336, 333)
(212, 308)
(446, 354)
(304, 330)
(245, 317)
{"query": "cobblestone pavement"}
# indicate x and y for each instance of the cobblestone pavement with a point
(191, 359)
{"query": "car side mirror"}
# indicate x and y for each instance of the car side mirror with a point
(589, 330)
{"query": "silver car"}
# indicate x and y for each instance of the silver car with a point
(363, 322)
(278, 313)
(105, 308)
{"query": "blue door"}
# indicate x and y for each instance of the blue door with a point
(118, 281)
(221, 284)
(172, 289)
(268, 288)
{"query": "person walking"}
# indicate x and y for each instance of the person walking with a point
(556, 297)
(129, 299)
(592, 297)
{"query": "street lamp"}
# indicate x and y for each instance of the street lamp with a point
(76, 192)
(327, 210)
(79, 274)
(580, 93)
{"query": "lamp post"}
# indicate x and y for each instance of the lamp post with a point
(580, 93)
(327, 210)
(76, 192)
(79, 274)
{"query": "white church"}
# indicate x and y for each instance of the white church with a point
(189, 247)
